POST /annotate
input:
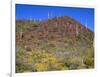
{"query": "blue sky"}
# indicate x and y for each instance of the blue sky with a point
(83, 15)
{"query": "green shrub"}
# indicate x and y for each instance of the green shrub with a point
(89, 62)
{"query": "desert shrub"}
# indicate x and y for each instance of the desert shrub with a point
(89, 62)
(22, 68)
(88, 58)
(73, 62)
(41, 66)
(89, 52)
(35, 25)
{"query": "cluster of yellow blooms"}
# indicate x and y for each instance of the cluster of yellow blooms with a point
(44, 61)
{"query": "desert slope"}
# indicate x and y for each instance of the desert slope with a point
(59, 43)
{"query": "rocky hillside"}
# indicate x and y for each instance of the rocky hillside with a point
(69, 43)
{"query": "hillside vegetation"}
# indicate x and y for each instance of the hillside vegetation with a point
(60, 43)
